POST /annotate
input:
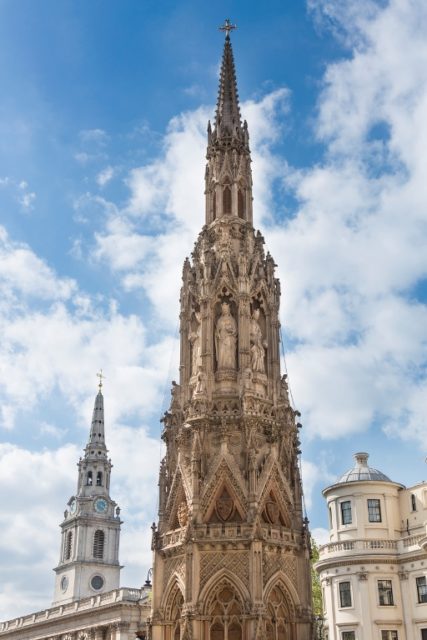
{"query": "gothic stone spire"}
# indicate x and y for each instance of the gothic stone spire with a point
(231, 558)
(227, 120)
(228, 171)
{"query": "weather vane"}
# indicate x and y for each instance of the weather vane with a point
(227, 27)
(101, 377)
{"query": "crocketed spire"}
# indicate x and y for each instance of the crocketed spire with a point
(227, 117)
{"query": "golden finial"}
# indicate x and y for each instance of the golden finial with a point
(101, 377)
(227, 27)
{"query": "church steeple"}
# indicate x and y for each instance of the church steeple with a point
(97, 431)
(228, 171)
(89, 561)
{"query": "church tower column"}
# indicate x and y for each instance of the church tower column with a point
(231, 556)
(90, 531)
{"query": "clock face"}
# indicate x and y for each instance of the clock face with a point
(73, 506)
(100, 505)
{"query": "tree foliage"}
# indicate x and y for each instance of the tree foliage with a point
(317, 602)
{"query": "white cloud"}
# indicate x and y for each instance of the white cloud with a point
(355, 250)
(98, 136)
(23, 273)
(105, 176)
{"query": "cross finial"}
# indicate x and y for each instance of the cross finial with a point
(227, 27)
(101, 377)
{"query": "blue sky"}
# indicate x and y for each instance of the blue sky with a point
(102, 139)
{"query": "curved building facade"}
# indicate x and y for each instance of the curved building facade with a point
(373, 571)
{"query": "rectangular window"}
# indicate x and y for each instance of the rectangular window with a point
(374, 510)
(346, 512)
(422, 589)
(423, 634)
(348, 635)
(345, 594)
(389, 635)
(385, 593)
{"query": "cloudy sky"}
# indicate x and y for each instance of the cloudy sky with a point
(102, 139)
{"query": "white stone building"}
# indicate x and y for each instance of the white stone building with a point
(373, 571)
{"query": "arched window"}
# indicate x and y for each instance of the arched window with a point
(99, 479)
(89, 479)
(226, 200)
(98, 544)
(277, 623)
(68, 545)
(225, 608)
(175, 614)
(241, 204)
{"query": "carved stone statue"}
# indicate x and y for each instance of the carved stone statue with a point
(195, 340)
(225, 338)
(200, 389)
(258, 345)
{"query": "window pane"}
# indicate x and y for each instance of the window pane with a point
(345, 594)
(346, 512)
(374, 510)
(348, 635)
(422, 589)
(385, 592)
(389, 635)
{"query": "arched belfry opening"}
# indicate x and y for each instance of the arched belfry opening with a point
(231, 534)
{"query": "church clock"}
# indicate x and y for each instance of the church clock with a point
(100, 505)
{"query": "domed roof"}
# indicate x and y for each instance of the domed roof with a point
(361, 471)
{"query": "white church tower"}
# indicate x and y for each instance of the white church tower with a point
(89, 556)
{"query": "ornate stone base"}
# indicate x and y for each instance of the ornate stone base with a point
(227, 380)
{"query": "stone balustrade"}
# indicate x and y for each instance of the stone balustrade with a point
(123, 594)
(365, 545)
(223, 532)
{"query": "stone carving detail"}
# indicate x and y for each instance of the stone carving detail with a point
(195, 340)
(200, 389)
(182, 514)
(274, 562)
(236, 562)
(173, 565)
(224, 506)
(225, 339)
(258, 345)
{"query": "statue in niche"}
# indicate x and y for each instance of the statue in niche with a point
(195, 341)
(225, 339)
(200, 389)
(258, 345)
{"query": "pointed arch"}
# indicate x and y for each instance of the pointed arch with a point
(226, 200)
(280, 609)
(241, 203)
(280, 579)
(173, 597)
(223, 579)
(221, 476)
